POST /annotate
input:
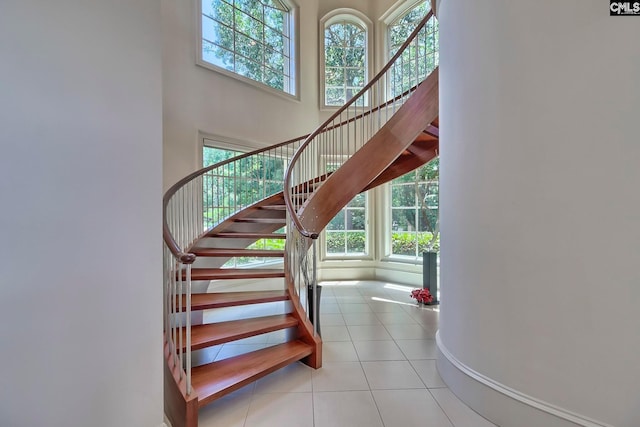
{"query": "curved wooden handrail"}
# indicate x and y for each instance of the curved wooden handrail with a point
(325, 126)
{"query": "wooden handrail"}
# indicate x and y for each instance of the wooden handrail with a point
(324, 127)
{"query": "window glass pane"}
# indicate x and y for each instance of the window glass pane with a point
(355, 77)
(354, 57)
(274, 40)
(403, 219)
(335, 96)
(356, 37)
(404, 243)
(355, 219)
(403, 195)
(334, 56)
(274, 60)
(274, 18)
(337, 223)
(217, 55)
(356, 242)
(334, 76)
(335, 242)
(274, 79)
(213, 31)
(251, 7)
(357, 201)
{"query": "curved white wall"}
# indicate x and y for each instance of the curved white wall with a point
(540, 204)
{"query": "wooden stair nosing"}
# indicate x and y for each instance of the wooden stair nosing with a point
(211, 334)
(217, 379)
(273, 207)
(231, 299)
(233, 273)
(244, 235)
(235, 252)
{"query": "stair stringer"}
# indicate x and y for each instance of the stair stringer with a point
(376, 156)
(423, 150)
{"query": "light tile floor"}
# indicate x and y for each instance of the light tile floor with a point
(379, 369)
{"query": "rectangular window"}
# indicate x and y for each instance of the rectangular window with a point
(414, 212)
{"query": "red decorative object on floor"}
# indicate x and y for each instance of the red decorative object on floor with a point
(422, 295)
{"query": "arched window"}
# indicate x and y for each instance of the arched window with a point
(344, 54)
(250, 38)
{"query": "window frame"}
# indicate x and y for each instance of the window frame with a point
(294, 49)
(351, 16)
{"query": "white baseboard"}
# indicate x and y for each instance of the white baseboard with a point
(499, 403)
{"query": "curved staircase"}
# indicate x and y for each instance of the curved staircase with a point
(210, 220)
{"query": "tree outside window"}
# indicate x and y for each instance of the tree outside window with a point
(345, 58)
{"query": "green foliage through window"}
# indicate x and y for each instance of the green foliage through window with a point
(251, 38)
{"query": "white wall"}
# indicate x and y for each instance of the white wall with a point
(539, 198)
(80, 161)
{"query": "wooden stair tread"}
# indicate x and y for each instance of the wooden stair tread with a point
(234, 273)
(274, 207)
(262, 220)
(231, 299)
(240, 235)
(207, 335)
(217, 379)
(234, 252)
